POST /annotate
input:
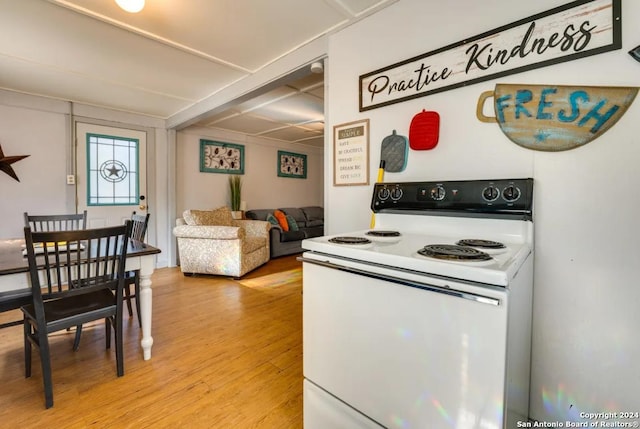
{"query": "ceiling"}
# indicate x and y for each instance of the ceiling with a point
(293, 112)
(174, 57)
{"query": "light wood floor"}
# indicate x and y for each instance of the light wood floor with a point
(224, 356)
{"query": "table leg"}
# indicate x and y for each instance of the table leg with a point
(146, 298)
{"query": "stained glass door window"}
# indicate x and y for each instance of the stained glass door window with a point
(112, 170)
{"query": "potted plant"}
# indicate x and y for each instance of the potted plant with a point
(235, 188)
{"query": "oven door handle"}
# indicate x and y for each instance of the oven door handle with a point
(431, 288)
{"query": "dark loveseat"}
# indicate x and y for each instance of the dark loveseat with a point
(310, 222)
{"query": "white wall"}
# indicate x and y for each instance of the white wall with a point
(262, 188)
(41, 134)
(41, 127)
(586, 345)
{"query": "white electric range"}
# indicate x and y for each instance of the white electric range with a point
(425, 320)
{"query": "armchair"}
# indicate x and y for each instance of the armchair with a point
(212, 242)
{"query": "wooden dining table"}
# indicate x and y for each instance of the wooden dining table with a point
(15, 286)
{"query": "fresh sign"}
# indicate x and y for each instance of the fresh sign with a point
(555, 117)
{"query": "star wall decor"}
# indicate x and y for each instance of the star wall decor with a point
(6, 161)
(635, 53)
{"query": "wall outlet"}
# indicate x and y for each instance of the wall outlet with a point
(71, 179)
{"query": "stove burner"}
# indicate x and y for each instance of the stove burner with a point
(379, 233)
(349, 240)
(486, 244)
(453, 252)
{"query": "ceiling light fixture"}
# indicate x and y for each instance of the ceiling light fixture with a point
(133, 6)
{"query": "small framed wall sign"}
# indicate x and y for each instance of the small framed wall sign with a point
(292, 165)
(351, 153)
(219, 157)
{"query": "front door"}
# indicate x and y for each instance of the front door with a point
(111, 173)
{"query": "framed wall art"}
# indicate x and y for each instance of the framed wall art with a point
(351, 153)
(219, 157)
(292, 165)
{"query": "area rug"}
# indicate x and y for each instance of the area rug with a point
(276, 280)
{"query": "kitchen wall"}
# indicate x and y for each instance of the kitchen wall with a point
(261, 186)
(586, 347)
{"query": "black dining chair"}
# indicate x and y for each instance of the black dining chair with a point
(139, 223)
(59, 222)
(56, 222)
(76, 277)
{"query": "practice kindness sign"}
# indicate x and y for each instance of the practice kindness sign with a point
(575, 30)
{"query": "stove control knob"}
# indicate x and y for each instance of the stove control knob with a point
(383, 194)
(511, 193)
(490, 193)
(437, 193)
(396, 194)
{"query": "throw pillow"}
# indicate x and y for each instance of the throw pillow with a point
(282, 219)
(220, 217)
(188, 219)
(293, 225)
(272, 220)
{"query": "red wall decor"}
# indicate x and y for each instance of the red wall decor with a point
(424, 130)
